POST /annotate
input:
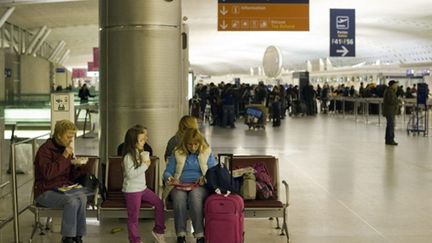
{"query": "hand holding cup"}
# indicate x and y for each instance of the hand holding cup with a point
(145, 158)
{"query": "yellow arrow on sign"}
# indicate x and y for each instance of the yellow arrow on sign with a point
(223, 25)
(223, 11)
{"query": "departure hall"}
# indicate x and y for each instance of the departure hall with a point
(215, 121)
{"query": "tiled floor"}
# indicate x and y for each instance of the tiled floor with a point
(346, 185)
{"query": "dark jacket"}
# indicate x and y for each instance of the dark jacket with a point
(390, 103)
(84, 94)
(52, 169)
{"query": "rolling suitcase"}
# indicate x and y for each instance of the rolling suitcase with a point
(224, 219)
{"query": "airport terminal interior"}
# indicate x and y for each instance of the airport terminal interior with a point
(305, 89)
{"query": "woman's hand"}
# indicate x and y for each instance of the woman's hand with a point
(68, 151)
(201, 181)
(171, 181)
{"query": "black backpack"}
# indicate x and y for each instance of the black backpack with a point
(220, 177)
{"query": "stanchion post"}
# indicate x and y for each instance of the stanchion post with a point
(15, 197)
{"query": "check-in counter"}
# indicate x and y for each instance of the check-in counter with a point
(340, 105)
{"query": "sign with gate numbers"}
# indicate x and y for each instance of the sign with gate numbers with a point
(342, 32)
(263, 15)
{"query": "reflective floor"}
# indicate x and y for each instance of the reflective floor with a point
(346, 185)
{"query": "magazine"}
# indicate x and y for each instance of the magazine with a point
(70, 188)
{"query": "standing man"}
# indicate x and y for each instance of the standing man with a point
(390, 109)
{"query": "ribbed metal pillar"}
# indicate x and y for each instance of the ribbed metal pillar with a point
(140, 70)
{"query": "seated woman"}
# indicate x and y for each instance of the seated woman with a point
(185, 123)
(191, 159)
(55, 168)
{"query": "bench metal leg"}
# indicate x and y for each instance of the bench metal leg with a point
(277, 223)
(37, 224)
(47, 223)
(285, 226)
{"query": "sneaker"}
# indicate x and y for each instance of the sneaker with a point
(159, 238)
(181, 239)
(67, 240)
(392, 143)
(200, 240)
(78, 239)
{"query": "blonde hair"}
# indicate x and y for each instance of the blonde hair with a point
(62, 126)
(192, 135)
(185, 123)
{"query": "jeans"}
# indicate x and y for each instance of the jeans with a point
(194, 201)
(389, 134)
(74, 209)
(228, 115)
(133, 204)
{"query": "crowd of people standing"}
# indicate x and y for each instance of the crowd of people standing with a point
(223, 103)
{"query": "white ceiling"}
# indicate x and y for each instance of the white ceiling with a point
(387, 30)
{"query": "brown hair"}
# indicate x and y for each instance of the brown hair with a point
(130, 141)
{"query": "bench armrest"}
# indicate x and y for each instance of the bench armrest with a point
(286, 186)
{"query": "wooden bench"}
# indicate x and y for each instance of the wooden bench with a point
(273, 207)
(114, 205)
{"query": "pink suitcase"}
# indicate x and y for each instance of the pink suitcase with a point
(224, 219)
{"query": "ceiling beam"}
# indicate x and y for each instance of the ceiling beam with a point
(56, 51)
(41, 41)
(6, 15)
(64, 57)
(11, 39)
(36, 38)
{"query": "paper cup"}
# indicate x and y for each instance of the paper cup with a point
(145, 156)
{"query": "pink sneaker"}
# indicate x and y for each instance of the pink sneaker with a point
(159, 238)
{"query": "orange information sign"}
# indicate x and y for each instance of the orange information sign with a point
(244, 16)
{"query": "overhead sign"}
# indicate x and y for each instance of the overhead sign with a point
(263, 15)
(60, 70)
(342, 32)
(79, 72)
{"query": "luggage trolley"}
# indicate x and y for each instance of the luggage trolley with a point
(419, 119)
(255, 116)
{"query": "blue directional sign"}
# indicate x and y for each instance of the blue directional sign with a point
(342, 32)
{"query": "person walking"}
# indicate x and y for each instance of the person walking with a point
(390, 109)
(84, 94)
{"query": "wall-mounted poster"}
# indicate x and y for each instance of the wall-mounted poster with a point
(61, 102)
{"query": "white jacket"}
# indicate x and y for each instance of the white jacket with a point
(133, 179)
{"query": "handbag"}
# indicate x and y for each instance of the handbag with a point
(88, 180)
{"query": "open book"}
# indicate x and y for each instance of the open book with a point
(65, 189)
